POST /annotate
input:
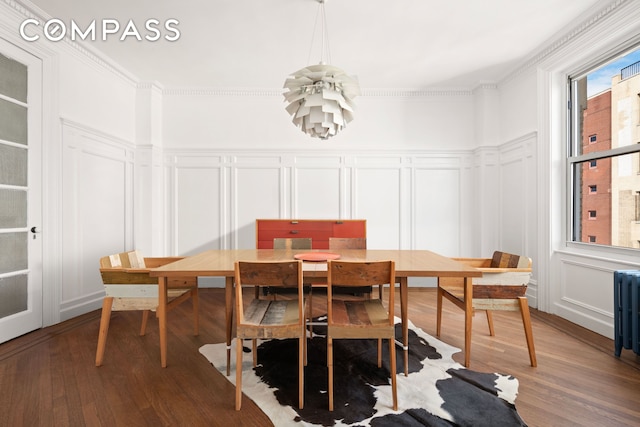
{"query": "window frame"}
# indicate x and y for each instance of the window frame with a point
(574, 146)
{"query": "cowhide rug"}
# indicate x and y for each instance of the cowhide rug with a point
(437, 392)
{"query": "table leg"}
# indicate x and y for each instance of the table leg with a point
(162, 319)
(405, 323)
(228, 297)
(468, 316)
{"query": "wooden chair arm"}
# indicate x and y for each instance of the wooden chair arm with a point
(504, 270)
(475, 262)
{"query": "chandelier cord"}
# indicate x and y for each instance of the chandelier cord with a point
(320, 97)
(325, 52)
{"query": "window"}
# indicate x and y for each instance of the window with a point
(604, 109)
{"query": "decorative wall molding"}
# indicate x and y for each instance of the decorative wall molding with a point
(90, 55)
(257, 92)
(565, 39)
(95, 132)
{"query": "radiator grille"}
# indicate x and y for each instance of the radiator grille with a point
(626, 286)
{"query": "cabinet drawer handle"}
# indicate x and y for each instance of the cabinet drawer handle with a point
(294, 222)
(339, 222)
(294, 231)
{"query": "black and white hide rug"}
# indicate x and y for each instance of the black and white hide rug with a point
(437, 392)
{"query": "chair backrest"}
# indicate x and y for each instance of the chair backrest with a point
(347, 243)
(268, 273)
(507, 260)
(131, 259)
(292, 243)
(286, 274)
(361, 273)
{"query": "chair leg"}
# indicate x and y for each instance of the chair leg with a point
(379, 352)
(330, 369)
(305, 346)
(438, 311)
(392, 372)
(254, 350)
(301, 364)
(107, 303)
(145, 319)
(195, 300)
(238, 373)
(528, 331)
(311, 311)
(490, 322)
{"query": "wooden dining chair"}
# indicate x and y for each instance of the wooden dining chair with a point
(362, 318)
(288, 243)
(270, 319)
(337, 243)
(128, 286)
(503, 286)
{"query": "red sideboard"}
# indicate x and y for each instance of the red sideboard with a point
(319, 230)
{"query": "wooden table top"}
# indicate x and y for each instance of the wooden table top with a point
(409, 263)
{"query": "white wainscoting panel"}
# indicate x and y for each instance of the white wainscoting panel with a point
(409, 200)
(197, 213)
(97, 192)
(377, 199)
(583, 292)
(317, 192)
(256, 192)
(436, 206)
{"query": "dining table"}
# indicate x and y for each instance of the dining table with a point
(221, 263)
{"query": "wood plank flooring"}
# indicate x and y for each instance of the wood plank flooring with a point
(49, 378)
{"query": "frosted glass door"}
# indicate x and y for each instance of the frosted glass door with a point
(20, 302)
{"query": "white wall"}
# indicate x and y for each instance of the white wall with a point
(208, 119)
(88, 139)
(574, 280)
(97, 212)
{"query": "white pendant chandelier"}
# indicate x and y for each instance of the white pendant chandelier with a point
(321, 96)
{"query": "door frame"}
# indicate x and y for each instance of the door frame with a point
(51, 192)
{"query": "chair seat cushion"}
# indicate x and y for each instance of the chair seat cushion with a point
(359, 313)
(268, 312)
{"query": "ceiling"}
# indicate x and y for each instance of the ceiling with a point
(410, 44)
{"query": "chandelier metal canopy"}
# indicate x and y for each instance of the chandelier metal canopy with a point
(321, 96)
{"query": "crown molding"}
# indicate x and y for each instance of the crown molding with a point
(87, 53)
(559, 42)
(256, 92)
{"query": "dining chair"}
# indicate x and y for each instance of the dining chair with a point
(361, 318)
(128, 286)
(288, 243)
(269, 319)
(337, 243)
(503, 286)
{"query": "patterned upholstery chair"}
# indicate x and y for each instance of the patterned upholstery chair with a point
(128, 286)
(503, 286)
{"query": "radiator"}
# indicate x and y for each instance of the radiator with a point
(626, 288)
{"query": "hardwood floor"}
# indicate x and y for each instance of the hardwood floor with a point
(49, 378)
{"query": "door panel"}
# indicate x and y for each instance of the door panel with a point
(20, 192)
